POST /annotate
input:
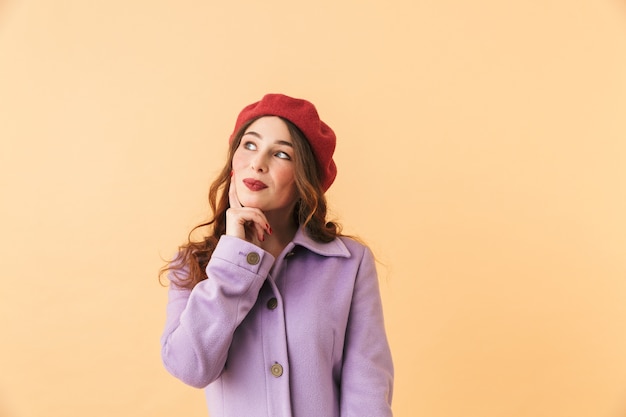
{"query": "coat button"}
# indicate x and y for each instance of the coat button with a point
(253, 258)
(277, 370)
(272, 303)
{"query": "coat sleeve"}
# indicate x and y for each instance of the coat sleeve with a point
(367, 373)
(200, 323)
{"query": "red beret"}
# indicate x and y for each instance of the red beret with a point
(304, 115)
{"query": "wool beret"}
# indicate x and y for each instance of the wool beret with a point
(303, 114)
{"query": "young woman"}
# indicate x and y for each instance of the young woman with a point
(275, 312)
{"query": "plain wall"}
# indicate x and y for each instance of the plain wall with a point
(481, 154)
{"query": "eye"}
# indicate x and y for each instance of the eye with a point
(249, 146)
(283, 155)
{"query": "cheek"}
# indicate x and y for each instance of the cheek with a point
(288, 183)
(286, 176)
(238, 161)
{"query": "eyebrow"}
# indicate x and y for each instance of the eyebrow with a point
(280, 142)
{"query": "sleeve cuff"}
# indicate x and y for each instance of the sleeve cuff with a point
(244, 254)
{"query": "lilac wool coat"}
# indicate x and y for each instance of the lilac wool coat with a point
(297, 336)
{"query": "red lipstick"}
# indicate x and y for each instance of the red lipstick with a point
(254, 185)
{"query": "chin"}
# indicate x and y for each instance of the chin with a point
(252, 202)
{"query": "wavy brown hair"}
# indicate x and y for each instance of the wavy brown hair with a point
(189, 266)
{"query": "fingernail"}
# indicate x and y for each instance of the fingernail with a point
(232, 172)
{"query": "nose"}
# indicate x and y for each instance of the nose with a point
(258, 163)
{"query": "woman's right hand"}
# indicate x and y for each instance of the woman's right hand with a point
(247, 223)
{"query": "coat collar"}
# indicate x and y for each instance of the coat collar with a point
(335, 247)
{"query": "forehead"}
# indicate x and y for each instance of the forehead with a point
(270, 127)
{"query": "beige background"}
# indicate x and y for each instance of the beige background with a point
(482, 154)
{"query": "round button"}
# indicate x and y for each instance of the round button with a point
(272, 303)
(253, 258)
(277, 370)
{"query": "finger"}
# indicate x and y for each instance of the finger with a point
(260, 230)
(255, 222)
(247, 223)
(232, 194)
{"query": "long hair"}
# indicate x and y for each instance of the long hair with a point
(189, 265)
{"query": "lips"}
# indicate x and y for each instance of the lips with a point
(254, 185)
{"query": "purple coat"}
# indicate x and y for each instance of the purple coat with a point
(299, 336)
